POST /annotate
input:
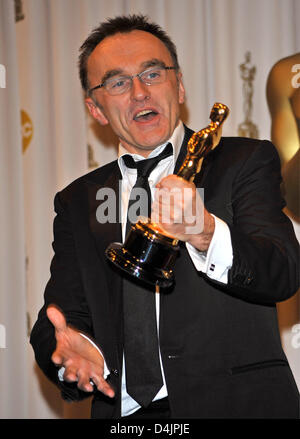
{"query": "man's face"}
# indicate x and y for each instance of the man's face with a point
(129, 54)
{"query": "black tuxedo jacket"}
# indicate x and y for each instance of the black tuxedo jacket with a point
(220, 344)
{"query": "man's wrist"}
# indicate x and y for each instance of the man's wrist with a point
(217, 260)
(201, 241)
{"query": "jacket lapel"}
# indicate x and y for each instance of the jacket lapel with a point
(104, 202)
(104, 234)
(183, 149)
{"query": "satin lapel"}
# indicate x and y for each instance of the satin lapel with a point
(108, 285)
(183, 149)
(110, 231)
(104, 234)
(200, 178)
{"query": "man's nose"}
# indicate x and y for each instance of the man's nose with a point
(139, 90)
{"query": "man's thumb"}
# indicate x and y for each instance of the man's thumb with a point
(57, 318)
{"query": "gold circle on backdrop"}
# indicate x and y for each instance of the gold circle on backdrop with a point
(27, 130)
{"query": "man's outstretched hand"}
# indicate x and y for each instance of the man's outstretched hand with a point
(81, 360)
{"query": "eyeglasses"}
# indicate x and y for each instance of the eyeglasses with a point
(121, 84)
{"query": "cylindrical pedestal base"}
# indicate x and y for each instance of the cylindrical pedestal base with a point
(146, 254)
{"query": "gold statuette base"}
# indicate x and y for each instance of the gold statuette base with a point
(146, 254)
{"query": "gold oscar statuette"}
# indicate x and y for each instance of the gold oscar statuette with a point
(148, 253)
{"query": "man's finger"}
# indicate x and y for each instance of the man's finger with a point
(103, 386)
(84, 382)
(57, 318)
(70, 375)
(57, 359)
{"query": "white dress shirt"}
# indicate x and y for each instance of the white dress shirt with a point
(215, 263)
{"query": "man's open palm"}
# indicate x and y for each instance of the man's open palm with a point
(81, 360)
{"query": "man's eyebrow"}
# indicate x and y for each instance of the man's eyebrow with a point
(111, 73)
(153, 62)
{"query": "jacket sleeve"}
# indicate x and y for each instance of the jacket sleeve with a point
(265, 265)
(65, 290)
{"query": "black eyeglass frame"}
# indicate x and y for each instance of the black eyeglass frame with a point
(138, 75)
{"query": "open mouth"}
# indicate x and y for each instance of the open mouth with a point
(145, 115)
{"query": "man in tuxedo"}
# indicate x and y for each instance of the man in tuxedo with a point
(212, 349)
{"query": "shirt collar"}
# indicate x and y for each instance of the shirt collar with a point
(176, 141)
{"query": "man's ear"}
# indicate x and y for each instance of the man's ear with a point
(95, 111)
